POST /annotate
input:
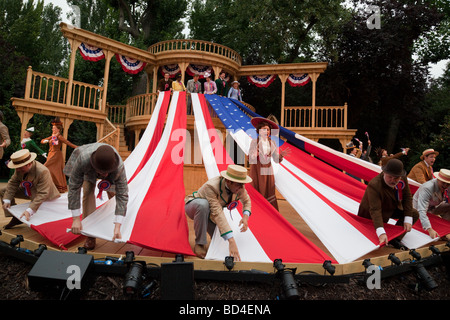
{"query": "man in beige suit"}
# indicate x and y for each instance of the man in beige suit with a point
(31, 180)
(423, 171)
(206, 208)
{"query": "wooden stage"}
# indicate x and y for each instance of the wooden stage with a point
(106, 248)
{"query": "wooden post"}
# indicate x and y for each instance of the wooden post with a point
(66, 125)
(283, 78)
(108, 56)
(28, 83)
(74, 44)
(314, 77)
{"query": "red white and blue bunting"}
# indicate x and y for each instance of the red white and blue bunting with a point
(171, 69)
(262, 81)
(201, 70)
(91, 53)
(130, 65)
(297, 80)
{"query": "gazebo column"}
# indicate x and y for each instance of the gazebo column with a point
(67, 122)
(313, 77)
(283, 78)
(108, 56)
(74, 44)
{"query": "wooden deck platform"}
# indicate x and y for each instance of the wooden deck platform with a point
(106, 248)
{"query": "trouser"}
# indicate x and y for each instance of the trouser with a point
(198, 210)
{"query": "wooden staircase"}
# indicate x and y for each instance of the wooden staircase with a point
(123, 147)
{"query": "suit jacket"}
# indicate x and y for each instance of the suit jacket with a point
(79, 168)
(190, 86)
(42, 186)
(426, 199)
(165, 86)
(379, 202)
(215, 192)
(4, 137)
(421, 172)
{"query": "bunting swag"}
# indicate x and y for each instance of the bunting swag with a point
(91, 53)
(171, 69)
(194, 69)
(270, 236)
(130, 65)
(414, 239)
(262, 81)
(298, 80)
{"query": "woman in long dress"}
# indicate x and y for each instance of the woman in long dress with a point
(262, 150)
(55, 159)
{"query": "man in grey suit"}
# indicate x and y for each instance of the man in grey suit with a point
(192, 86)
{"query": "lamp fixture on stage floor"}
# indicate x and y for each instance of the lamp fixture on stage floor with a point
(329, 267)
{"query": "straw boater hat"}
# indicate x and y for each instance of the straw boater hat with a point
(104, 159)
(428, 152)
(394, 167)
(443, 175)
(21, 158)
(257, 120)
(236, 173)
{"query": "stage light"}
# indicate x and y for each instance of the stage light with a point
(424, 277)
(82, 250)
(133, 278)
(229, 262)
(394, 259)
(39, 250)
(129, 257)
(15, 241)
(415, 254)
(329, 267)
(366, 263)
(434, 250)
(287, 279)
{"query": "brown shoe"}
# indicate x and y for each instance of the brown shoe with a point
(14, 222)
(89, 244)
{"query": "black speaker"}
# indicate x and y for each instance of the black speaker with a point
(60, 270)
(177, 281)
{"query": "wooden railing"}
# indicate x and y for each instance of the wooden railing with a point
(41, 86)
(141, 105)
(196, 45)
(323, 117)
(116, 113)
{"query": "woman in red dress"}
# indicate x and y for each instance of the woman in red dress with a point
(55, 159)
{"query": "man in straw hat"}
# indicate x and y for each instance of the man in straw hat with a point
(87, 164)
(31, 180)
(423, 171)
(206, 208)
(433, 197)
(388, 196)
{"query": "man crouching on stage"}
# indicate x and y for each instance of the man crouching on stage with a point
(388, 196)
(87, 164)
(205, 207)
